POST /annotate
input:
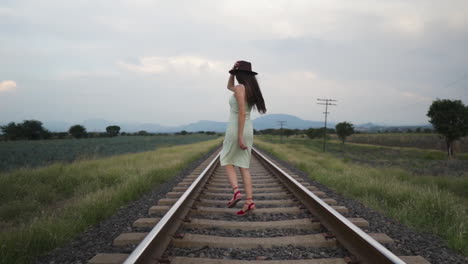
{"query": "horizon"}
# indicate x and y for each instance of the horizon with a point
(254, 115)
(167, 62)
(202, 120)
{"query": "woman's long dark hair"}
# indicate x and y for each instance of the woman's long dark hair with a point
(252, 90)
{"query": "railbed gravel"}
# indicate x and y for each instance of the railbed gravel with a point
(99, 238)
(407, 240)
(254, 216)
(240, 185)
(240, 204)
(277, 253)
(267, 232)
(256, 197)
(228, 195)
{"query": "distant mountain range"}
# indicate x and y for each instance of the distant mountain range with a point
(260, 123)
(263, 122)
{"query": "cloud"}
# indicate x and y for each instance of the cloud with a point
(7, 85)
(175, 64)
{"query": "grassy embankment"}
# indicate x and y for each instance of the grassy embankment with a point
(416, 200)
(43, 208)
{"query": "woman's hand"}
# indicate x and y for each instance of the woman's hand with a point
(235, 65)
(241, 143)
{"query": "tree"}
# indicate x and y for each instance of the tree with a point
(113, 130)
(314, 133)
(311, 133)
(142, 133)
(32, 129)
(12, 131)
(29, 129)
(78, 131)
(450, 119)
(46, 134)
(344, 130)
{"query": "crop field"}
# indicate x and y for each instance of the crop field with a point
(414, 140)
(418, 187)
(35, 153)
(42, 208)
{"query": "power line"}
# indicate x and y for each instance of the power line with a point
(281, 123)
(327, 103)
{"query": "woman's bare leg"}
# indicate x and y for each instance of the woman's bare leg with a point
(247, 186)
(231, 173)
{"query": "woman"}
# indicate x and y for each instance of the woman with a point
(238, 140)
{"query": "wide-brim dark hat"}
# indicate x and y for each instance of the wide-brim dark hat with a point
(243, 66)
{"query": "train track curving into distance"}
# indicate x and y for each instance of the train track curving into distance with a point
(291, 216)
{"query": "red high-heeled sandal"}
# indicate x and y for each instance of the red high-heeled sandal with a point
(250, 208)
(235, 199)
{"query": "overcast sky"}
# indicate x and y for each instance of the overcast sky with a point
(167, 62)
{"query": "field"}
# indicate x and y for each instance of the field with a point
(418, 161)
(415, 140)
(415, 186)
(44, 207)
(34, 153)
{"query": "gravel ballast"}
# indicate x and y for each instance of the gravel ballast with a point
(239, 205)
(276, 253)
(255, 216)
(267, 232)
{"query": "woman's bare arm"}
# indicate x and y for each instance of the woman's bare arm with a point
(239, 93)
(230, 84)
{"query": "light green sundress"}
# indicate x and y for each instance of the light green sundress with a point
(231, 153)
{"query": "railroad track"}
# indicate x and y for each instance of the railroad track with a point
(294, 223)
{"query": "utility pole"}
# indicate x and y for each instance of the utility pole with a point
(327, 103)
(281, 123)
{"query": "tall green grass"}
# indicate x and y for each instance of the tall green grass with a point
(43, 208)
(426, 207)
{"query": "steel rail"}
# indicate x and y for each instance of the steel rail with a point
(354, 239)
(155, 243)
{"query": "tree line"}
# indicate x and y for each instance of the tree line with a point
(34, 130)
